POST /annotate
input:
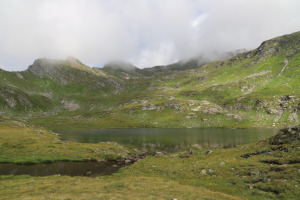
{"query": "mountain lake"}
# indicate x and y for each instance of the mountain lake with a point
(148, 140)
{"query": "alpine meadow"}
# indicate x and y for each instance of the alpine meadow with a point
(157, 107)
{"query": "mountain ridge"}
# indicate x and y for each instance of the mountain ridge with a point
(257, 88)
(42, 66)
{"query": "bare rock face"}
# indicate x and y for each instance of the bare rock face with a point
(279, 45)
(72, 71)
(45, 67)
(49, 67)
(12, 98)
(58, 69)
(11, 102)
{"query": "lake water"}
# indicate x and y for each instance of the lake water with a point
(63, 168)
(170, 140)
(151, 140)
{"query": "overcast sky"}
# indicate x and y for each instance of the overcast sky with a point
(143, 32)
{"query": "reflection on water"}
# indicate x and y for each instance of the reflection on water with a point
(63, 168)
(171, 140)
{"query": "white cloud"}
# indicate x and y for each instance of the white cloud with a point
(165, 53)
(145, 32)
(199, 20)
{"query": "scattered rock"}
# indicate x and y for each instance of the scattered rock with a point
(152, 107)
(70, 105)
(207, 107)
(128, 161)
(160, 153)
(173, 105)
(208, 152)
(222, 163)
(135, 158)
(279, 114)
(272, 111)
(214, 110)
(203, 172)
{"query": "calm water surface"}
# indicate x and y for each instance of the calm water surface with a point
(170, 140)
(63, 168)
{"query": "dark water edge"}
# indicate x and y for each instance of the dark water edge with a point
(90, 169)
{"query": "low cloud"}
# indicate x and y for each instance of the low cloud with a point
(144, 32)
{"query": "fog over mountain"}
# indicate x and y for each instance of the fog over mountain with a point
(143, 32)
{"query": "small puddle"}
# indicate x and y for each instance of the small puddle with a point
(90, 169)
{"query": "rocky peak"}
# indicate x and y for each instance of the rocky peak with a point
(43, 66)
(50, 67)
(286, 45)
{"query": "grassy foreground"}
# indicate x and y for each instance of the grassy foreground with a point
(25, 144)
(269, 169)
(136, 187)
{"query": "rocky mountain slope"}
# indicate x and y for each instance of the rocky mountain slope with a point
(258, 88)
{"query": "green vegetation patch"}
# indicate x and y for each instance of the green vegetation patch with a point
(21, 143)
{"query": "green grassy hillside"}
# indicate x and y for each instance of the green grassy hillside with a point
(258, 88)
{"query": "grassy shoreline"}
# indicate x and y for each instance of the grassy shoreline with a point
(67, 124)
(25, 144)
